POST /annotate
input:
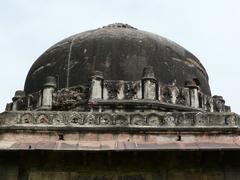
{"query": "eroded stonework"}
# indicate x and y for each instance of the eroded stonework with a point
(108, 95)
(117, 103)
(146, 120)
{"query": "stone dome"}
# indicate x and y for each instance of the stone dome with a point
(121, 52)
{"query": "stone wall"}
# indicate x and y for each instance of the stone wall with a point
(175, 165)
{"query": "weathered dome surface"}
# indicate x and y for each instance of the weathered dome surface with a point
(121, 52)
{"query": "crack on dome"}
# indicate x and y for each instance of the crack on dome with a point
(119, 25)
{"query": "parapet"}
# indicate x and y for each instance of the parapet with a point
(100, 95)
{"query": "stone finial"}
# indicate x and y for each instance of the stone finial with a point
(9, 107)
(209, 104)
(218, 104)
(119, 25)
(50, 81)
(227, 109)
(193, 91)
(18, 94)
(16, 99)
(96, 89)
(47, 94)
(97, 75)
(149, 84)
(148, 73)
(191, 84)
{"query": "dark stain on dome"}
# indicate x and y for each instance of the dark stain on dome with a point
(121, 52)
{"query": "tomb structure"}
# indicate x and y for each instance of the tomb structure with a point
(118, 103)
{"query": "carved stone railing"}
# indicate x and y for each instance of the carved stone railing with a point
(113, 95)
(148, 93)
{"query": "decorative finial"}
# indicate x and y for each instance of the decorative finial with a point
(119, 25)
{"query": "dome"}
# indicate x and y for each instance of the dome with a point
(121, 52)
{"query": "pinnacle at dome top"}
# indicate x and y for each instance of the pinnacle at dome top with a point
(121, 52)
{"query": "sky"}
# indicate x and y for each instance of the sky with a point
(210, 29)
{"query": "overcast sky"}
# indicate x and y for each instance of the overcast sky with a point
(210, 29)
